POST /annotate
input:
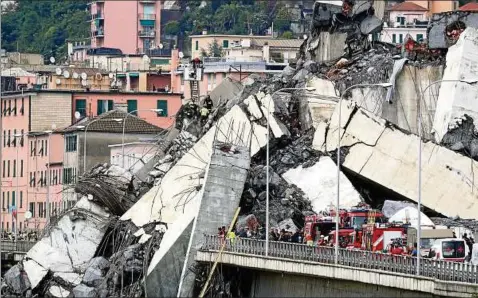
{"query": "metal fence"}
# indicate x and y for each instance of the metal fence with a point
(18, 246)
(438, 269)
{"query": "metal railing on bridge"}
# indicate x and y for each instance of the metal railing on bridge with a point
(16, 246)
(438, 269)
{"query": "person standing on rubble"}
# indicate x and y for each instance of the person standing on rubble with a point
(204, 115)
(208, 103)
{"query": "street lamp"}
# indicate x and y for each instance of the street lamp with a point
(86, 129)
(420, 144)
(124, 125)
(337, 209)
(267, 158)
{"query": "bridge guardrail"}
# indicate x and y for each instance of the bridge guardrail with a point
(438, 269)
(18, 246)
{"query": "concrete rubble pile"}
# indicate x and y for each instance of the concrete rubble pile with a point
(86, 252)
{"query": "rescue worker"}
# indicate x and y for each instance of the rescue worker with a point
(204, 115)
(231, 236)
(208, 103)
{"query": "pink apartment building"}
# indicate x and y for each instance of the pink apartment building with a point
(27, 120)
(133, 26)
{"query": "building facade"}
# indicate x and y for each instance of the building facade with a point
(136, 154)
(131, 26)
(95, 103)
(405, 19)
(29, 152)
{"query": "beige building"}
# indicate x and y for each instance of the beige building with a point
(248, 48)
(437, 6)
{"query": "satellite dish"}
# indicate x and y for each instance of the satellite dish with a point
(76, 75)
(77, 115)
(161, 46)
(66, 74)
(83, 82)
(58, 81)
(181, 55)
(28, 214)
(58, 71)
(84, 76)
(52, 60)
(110, 75)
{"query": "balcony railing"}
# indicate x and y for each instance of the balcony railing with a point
(97, 16)
(155, 52)
(147, 17)
(98, 33)
(147, 33)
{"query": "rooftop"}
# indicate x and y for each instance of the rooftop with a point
(108, 123)
(472, 6)
(407, 6)
(278, 43)
(231, 35)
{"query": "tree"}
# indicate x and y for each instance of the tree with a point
(215, 50)
(282, 20)
(172, 28)
(287, 35)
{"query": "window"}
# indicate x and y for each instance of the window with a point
(22, 138)
(4, 138)
(9, 107)
(163, 106)
(32, 209)
(401, 20)
(21, 199)
(104, 106)
(21, 168)
(453, 249)
(69, 175)
(394, 38)
(419, 37)
(41, 179)
(132, 106)
(8, 200)
(225, 44)
(400, 38)
(22, 108)
(15, 107)
(46, 147)
(3, 169)
(14, 141)
(40, 210)
(197, 45)
(42, 150)
(3, 200)
(32, 148)
(80, 107)
(8, 139)
(8, 168)
(14, 168)
(71, 143)
(14, 203)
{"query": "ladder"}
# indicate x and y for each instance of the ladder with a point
(194, 91)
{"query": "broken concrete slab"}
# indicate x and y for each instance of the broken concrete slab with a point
(319, 183)
(17, 280)
(92, 277)
(440, 23)
(69, 277)
(165, 203)
(380, 152)
(37, 272)
(391, 207)
(223, 187)
(58, 292)
(72, 242)
(253, 107)
(84, 291)
(458, 98)
(320, 103)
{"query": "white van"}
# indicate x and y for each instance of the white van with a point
(449, 249)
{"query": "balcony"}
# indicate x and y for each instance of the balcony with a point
(98, 33)
(147, 17)
(97, 16)
(147, 33)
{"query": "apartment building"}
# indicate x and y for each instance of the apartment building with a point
(133, 26)
(28, 122)
(405, 19)
(95, 103)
